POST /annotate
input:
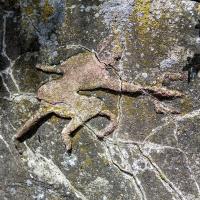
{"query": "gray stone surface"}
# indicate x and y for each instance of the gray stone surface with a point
(149, 156)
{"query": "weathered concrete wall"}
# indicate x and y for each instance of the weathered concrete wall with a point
(149, 156)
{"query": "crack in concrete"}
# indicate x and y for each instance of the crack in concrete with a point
(154, 131)
(136, 183)
(191, 172)
(166, 182)
(173, 189)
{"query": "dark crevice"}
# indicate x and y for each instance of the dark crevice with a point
(193, 63)
(192, 67)
(161, 97)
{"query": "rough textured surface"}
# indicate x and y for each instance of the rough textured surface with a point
(149, 156)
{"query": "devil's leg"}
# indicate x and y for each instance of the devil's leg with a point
(69, 129)
(111, 126)
(44, 110)
(41, 113)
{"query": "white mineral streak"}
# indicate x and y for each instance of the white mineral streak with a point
(7, 15)
(17, 97)
(2, 138)
(8, 71)
(127, 169)
(189, 115)
(112, 150)
(170, 186)
(4, 84)
(149, 147)
(69, 161)
(46, 169)
(6, 143)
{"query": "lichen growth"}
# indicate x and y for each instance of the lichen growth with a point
(29, 10)
(47, 11)
(54, 119)
(24, 109)
(155, 31)
(142, 15)
(87, 163)
(147, 29)
(186, 105)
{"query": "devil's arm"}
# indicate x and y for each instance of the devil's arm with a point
(50, 69)
(118, 85)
